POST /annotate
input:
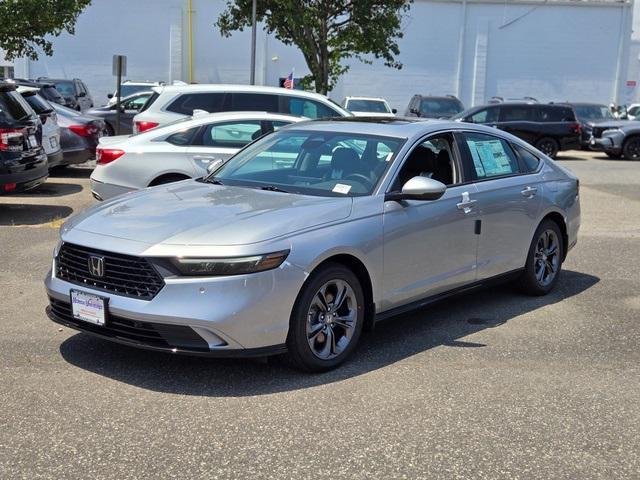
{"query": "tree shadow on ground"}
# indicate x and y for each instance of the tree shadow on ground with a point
(393, 340)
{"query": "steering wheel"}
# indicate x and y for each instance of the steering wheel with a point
(360, 178)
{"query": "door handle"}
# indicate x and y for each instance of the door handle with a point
(466, 204)
(529, 192)
(204, 158)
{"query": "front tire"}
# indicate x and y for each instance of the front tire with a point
(544, 260)
(631, 148)
(327, 319)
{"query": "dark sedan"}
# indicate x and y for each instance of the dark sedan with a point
(129, 107)
(79, 135)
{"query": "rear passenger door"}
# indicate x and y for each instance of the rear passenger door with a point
(518, 120)
(509, 189)
(219, 141)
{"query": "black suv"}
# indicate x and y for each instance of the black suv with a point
(427, 106)
(23, 163)
(549, 128)
(74, 91)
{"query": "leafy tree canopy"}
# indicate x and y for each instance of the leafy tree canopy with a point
(326, 31)
(25, 23)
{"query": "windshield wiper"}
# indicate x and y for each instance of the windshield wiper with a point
(272, 188)
(213, 180)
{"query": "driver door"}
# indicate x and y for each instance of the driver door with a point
(430, 246)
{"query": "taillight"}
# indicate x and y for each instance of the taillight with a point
(12, 139)
(576, 128)
(108, 155)
(87, 130)
(9, 187)
(142, 126)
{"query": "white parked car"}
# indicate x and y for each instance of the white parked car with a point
(173, 102)
(369, 107)
(49, 120)
(129, 88)
(186, 148)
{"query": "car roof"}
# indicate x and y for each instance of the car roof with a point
(579, 104)
(439, 97)
(222, 87)
(375, 99)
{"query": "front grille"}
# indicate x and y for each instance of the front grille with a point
(123, 275)
(156, 335)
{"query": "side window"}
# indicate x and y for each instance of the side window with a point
(488, 115)
(556, 114)
(182, 138)
(135, 103)
(529, 160)
(433, 158)
(231, 134)
(187, 103)
(304, 107)
(257, 102)
(515, 113)
(491, 156)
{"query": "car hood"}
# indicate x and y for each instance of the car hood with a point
(196, 213)
(617, 123)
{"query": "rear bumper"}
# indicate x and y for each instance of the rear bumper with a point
(74, 157)
(35, 174)
(105, 191)
(55, 159)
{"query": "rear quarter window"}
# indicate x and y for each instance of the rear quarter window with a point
(529, 161)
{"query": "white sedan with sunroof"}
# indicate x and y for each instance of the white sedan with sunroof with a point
(184, 149)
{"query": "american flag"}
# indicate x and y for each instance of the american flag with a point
(288, 82)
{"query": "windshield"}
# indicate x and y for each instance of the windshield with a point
(14, 107)
(373, 106)
(126, 89)
(311, 163)
(593, 112)
(65, 87)
(440, 107)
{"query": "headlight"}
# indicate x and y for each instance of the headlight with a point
(230, 265)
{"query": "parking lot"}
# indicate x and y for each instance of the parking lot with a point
(489, 385)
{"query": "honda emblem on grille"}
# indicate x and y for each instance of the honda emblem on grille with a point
(96, 265)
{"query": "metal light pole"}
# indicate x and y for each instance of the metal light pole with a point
(253, 42)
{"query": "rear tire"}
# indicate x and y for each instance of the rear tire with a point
(327, 319)
(544, 260)
(548, 146)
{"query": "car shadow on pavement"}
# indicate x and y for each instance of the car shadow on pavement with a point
(83, 171)
(444, 324)
(13, 214)
(51, 189)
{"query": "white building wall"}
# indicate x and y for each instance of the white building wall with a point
(552, 51)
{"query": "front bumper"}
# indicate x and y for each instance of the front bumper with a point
(610, 142)
(244, 315)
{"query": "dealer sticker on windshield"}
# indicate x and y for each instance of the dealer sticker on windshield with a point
(342, 188)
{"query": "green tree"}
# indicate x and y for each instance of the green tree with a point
(326, 31)
(25, 23)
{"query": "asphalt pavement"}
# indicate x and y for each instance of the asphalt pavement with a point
(490, 385)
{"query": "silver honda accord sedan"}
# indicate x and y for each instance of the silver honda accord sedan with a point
(309, 235)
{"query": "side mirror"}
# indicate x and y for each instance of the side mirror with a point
(110, 95)
(213, 166)
(414, 111)
(419, 188)
(394, 110)
(82, 94)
